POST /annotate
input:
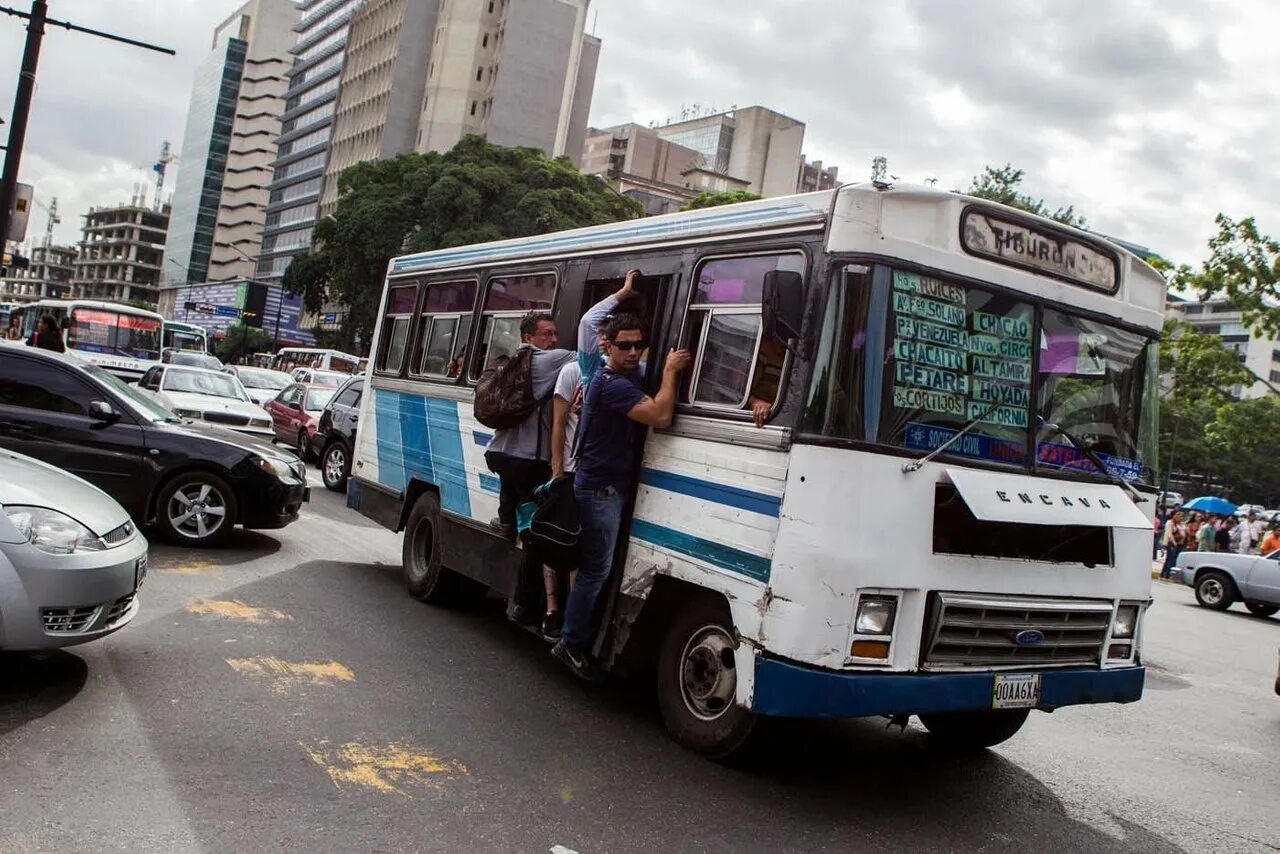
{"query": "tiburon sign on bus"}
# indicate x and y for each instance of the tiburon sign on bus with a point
(1043, 251)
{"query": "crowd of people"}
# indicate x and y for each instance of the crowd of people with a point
(1182, 531)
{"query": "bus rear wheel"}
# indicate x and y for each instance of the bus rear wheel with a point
(424, 574)
(966, 732)
(697, 682)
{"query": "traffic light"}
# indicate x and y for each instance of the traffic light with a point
(13, 261)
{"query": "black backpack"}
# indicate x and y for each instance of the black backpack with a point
(554, 527)
(504, 392)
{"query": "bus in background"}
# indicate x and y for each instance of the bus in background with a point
(947, 512)
(183, 336)
(319, 358)
(120, 338)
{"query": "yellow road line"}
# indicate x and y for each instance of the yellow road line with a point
(286, 675)
(234, 609)
(387, 769)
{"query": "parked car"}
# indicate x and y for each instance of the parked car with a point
(71, 559)
(1257, 510)
(262, 384)
(193, 481)
(335, 435)
(295, 414)
(207, 395)
(1223, 578)
(190, 358)
(312, 376)
(1172, 500)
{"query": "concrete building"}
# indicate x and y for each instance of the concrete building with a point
(1219, 317)
(814, 177)
(754, 144)
(48, 275)
(121, 252)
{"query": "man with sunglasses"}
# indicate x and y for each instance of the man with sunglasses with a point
(613, 405)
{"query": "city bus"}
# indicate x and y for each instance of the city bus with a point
(184, 336)
(120, 338)
(946, 515)
(319, 358)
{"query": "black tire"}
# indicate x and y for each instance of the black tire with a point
(697, 682)
(218, 503)
(1215, 590)
(1258, 609)
(424, 574)
(302, 446)
(970, 732)
(335, 466)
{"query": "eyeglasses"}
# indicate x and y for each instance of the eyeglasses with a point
(630, 345)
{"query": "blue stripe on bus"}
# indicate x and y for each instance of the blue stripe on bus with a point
(490, 483)
(446, 455)
(732, 496)
(716, 554)
(481, 439)
(386, 412)
(415, 441)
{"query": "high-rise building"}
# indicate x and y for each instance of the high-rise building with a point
(121, 252)
(1259, 353)
(814, 176)
(754, 144)
(47, 276)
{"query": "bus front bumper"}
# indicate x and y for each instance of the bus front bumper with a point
(785, 689)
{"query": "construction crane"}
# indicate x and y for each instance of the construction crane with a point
(52, 210)
(166, 157)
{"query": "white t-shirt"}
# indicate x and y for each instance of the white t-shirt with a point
(569, 387)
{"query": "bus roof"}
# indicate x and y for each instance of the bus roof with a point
(97, 305)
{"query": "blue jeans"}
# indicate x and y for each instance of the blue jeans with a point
(600, 512)
(1170, 560)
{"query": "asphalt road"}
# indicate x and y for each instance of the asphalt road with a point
(287, 693)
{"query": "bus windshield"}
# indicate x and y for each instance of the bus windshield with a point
(115, 332)
(954, 356)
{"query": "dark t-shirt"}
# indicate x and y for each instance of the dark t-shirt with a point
(606, 451)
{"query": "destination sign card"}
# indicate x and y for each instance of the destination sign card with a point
(1042, 250)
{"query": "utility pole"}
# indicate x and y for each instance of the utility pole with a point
(36, 20)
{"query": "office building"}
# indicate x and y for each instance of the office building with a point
(753, 144)
(1259, 353)
(47, 276)
(815, 177)
(121, 252)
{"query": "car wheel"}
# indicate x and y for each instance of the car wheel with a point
(1215, 590)
(196, 509)
(424, 574)
(334, 466)
(698, 682)
(300, 446)
(965, 732)
(1260, 609)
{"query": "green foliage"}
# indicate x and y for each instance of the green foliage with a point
(241, 340)
(476, 192)
(1243, 267)
(712, 200)
(1201, 367)
(1002, 185)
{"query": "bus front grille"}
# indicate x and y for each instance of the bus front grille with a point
(983, 631)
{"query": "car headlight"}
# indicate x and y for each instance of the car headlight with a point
(875, 615)
(189, 413)
(53, 532)
(1126, 621)
(280, 468)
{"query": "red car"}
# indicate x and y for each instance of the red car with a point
(295, 412)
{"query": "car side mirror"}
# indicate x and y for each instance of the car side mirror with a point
(100, 410)
(782, 307)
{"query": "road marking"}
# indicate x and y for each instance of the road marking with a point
(195, 566)
(386, 769)
(234, 609)
(287, 675)
(560, 849)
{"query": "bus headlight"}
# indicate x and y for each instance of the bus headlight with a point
(1126, 621)
(875, 615)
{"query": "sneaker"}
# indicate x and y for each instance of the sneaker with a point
(552, 625)
(575, 661)
(522, 616)
(506, 530)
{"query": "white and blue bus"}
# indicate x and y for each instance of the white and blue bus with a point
(947, 513)
(119, 338)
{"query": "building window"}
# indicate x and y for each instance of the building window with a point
(484, 42)
(431, 71)
(490, 7)
(473, 107)
(479, 74)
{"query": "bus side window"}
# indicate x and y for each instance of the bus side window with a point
(506, 300)
(396, 321)
(445, 328)
(736, 363)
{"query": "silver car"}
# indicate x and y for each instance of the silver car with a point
(70, 558)
(1222, 578)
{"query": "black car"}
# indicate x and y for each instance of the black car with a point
(335, 438)
(194, 482)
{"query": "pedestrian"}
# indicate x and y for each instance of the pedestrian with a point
(1271, 540)
(47, 336)
(1222, 535)
(1250, 531)
(1174, 538)
(14, 331)
(1205, 534)
(1157, 533)
(613, 405)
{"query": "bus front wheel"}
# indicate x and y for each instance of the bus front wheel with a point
(697, 682)
(973, 731)
(424, 574)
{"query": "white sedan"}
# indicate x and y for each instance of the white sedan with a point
(210, 396)
(262, 384)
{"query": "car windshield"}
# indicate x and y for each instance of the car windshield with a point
(263, 379)
(202, 382)
(329, 378)
(317, 398)
(196, 360)
(143, 405)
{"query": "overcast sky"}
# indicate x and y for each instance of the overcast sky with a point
(1149, 117)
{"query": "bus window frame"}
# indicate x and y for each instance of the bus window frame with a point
(379, 354)
(740, 413)
(472, 374)
(420, 333)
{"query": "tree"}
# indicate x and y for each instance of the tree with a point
(711, 200)
(1002, 185)
(242, 340)
(1201, 367)
(1244, 267)
(475, 193)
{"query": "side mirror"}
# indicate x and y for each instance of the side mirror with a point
(782, 306)
(100, 410)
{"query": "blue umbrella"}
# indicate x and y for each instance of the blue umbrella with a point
(1210, 504)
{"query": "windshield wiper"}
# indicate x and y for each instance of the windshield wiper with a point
(916, 465)
(1092, 456)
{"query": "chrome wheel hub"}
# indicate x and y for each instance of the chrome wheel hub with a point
(197, 510)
